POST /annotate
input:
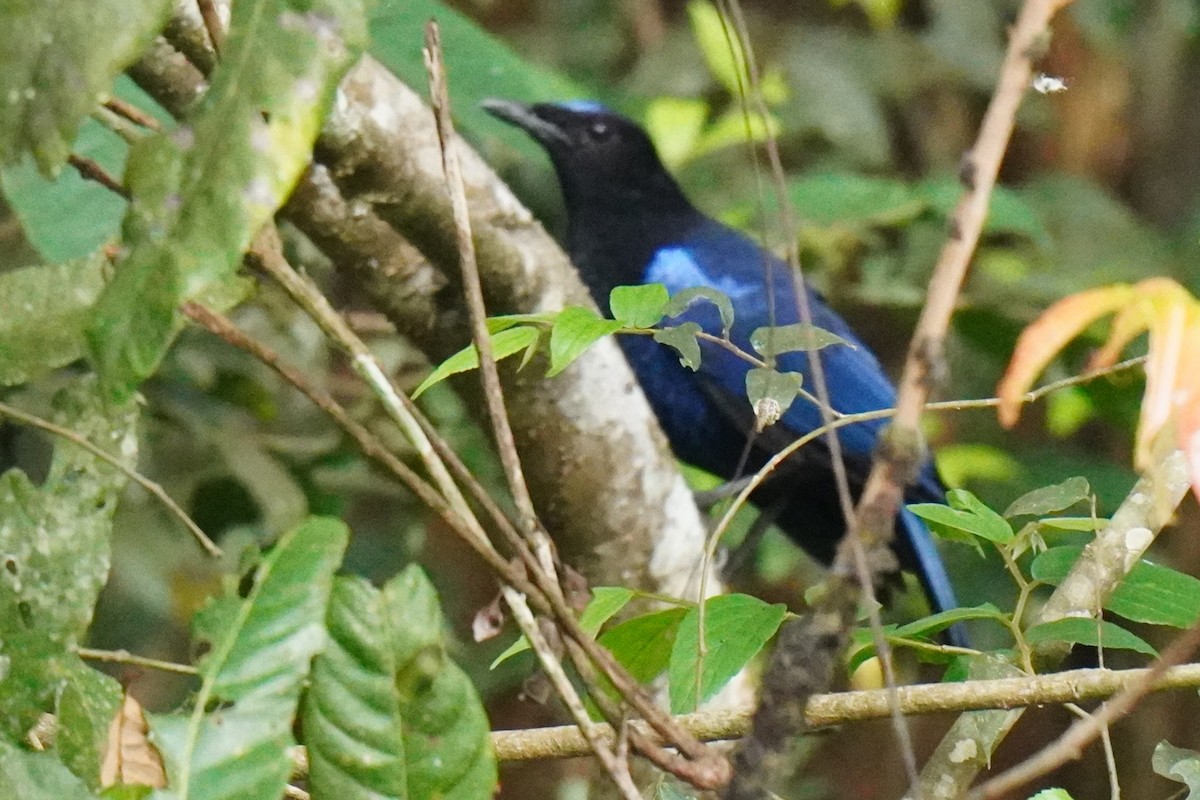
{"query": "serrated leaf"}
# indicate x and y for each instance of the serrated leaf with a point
(1096, 633)
(1050, 499)
(736, 627)
(778, 339)
(1150, 593)
(352, 722)
(55, 67)
(43, 311)
(235, 741)
(447, 740)
(683, 299)
(606, 601)
(54, 544)
(1178, 764)
(506, 342)
(683, 339)
(643, 644)
(200, 193)
(771, 394)
(575, 330)
(641, 306)
(966, 519)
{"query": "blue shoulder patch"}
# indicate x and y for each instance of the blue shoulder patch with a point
(585, 106)
(677, 269)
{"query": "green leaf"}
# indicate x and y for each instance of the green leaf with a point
(575, 330)
(447, 740)
(964, 518)
(43, 310)
(683, 339)
(639, 306)
(778, 339)
(234, 743)
(87, 704)
(643, 644)
(1008, 212)
(606, 601)
(849, 199)
(95, 212)
(1050, 499)
(506, 321)
(721, 50)
(682, 300)
(1178, 764)
(54, 549)
(935, 623)
(507, 342)
(1097, 633)
(1074, 523)
(352, 722)
(34, 776)
(675, 124)
(1150, 593)
(734, 127)
(736, 627)
(771, 394)
(55, 67)
(200, 194)
(1052, 794)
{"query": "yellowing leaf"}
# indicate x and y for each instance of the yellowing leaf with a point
(1171, 316)
(1047, 336)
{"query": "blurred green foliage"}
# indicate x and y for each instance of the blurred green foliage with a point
(873, 104)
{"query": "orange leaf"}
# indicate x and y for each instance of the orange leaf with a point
(1047, 335)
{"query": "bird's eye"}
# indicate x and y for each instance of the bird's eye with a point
(599, 131)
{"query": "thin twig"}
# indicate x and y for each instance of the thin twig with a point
(132, 113)
(212, 24)
(1070, 745)
(493, 392)
(126, 657)
(150, 486)
(89, 169)
(827, 710)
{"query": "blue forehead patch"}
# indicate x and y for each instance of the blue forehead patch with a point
(585, 106)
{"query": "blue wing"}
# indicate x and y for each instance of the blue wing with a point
(708, 418)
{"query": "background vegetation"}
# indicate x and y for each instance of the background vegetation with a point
(873, 104)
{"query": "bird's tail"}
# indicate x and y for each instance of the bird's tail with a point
(931, 571)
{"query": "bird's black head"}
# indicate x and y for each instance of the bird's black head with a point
(605, 162)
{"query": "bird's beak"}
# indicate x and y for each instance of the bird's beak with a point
(525, 118)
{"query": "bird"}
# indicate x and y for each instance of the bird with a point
(629, 223)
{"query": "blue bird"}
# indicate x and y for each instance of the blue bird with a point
(628, 223)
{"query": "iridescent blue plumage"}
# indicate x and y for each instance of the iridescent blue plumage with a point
(629, 223)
